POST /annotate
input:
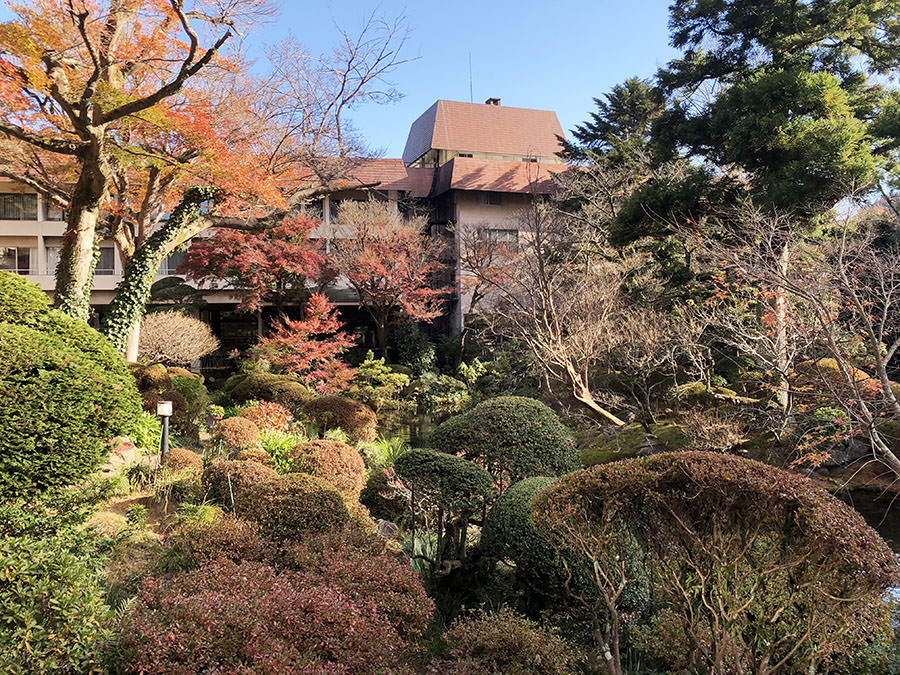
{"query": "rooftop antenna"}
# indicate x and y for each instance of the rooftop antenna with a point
(470, 77)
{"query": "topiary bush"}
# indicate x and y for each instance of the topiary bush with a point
(256, 455)
(283, 389)
(383, 499)
(60, 406)
(513, 437)
(232, 477)
(507, 643)
(268, 416)
(360, 566)
(20, 300)
(445, 492)
(150, 378)
(741, 554)
(193, 545)
(509, 533)
(355, 419)
(182, 459)
(248, 617)
(235, 434)
(338, 463)
(293, 506)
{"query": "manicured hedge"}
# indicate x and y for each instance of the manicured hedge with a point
(338, 463)
(513, 437)
(292, 506)
(355, 419)
(236, 434)
(283, 389)
(450, 482)
(509, 533)
(235, 477)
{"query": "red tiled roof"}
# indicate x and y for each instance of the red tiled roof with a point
(478, 127)
(388, 174)
(491, 175)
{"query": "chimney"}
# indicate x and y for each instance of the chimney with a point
(492, 101)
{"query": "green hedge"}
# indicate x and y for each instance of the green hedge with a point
(509, 533)
(513, 437)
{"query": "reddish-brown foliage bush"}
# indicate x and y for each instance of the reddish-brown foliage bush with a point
(355, 419)
(506, 643)
(232, 477)
(268, 415)
(294, 506)
(338, 463)
(236, 433)
(256, 455)
(360, 566)
(246, 617)
(180, 459)
(194, 545)
(705, 519)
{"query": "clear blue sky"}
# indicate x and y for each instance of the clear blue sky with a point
(548, 55)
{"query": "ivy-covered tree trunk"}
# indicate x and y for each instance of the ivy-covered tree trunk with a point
(75, 272)
(133, 291)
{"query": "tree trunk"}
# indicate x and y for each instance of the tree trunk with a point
(134, 341)
(583, 395)
(381, 332)
(75, 272)
(781, 339)
(133, 291)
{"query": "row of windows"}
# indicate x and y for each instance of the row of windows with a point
(24, 207)
(18, 260)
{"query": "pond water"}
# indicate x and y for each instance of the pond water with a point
(883, 514)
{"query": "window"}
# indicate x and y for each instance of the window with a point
(107, 262)
(489, 198)
(510, 238)
(532, 160)
(18, 207)
(106, 265)
(53, 212)
(16, 260)
(171, 262)
(464, 154)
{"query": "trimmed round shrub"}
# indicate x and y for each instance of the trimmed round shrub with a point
(383, 499)
(513, 437)
(194, 545)
(256, 455)
(20, 300)
(150, 378)
(292, 506)
(59, 407)
(249, 618)
(234, 477)
(268, 416)
(775, 551)
(450, 482)
(333, 412)
(182, 459)
(236, 434)
(509, 533)
(283, 389)
(338, 463)
(509, 644)
(361, 566)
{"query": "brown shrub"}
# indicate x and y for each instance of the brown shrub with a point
(236, 433)
(338, 463)
(174, 338)
(256, 455)
(197, 544)
(355, 419)
(268, 415)
(181, 459)
(150, 378)
(293, 506)
(239, 475)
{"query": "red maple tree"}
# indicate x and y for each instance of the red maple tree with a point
(391, 262)
(276, 265)
(311, 347)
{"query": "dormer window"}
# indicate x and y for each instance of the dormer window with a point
(464, 154)
(532, 160)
